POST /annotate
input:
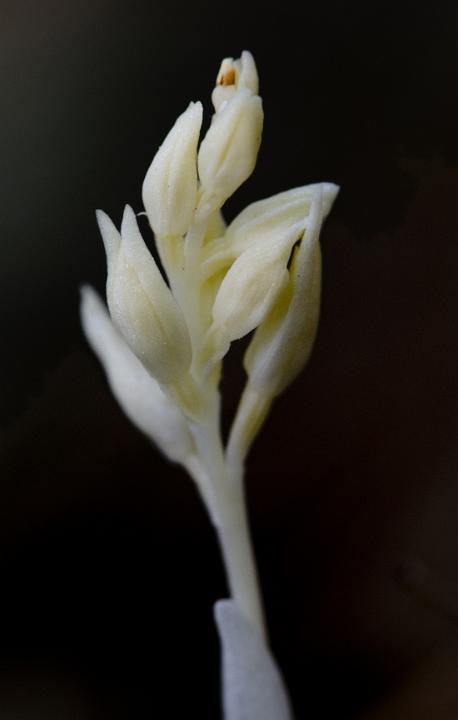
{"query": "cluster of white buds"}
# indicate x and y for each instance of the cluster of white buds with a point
(163, 347)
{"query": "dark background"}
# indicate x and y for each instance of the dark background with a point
(108, 565)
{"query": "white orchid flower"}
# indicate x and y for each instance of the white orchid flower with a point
(283, 342)
(228, 152)
(141, 305)
(255, 251)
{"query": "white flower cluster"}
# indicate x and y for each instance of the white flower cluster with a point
(163, 346)
(260, 273)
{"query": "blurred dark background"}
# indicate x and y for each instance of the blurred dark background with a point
(108, 565)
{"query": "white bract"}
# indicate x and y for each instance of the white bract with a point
(253, 688)
(138, 394)
(168, 333)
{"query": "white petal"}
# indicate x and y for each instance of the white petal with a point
(144, 309)
(248, 73)
(170, 185)
(273, 215)
(227, 154)
(138, 394)
(111, 238)
(250, 289)
(253, 688)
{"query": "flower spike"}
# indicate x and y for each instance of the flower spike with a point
(162, 347)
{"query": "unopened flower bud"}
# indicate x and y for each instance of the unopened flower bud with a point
(250, 288)
(170, 185)
(138, 394)
(228, 152)
(234, 74)
(283, 342)
(141, 304)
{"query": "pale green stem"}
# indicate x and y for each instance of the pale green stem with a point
(228, 512)
(237, 550)
(251, 414)
(225, 499)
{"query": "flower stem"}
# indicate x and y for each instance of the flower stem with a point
(239, 561)
(225, 500)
